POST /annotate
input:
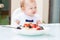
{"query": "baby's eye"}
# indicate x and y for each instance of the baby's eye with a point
(35, 7)
(31, 8)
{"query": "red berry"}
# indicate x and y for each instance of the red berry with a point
(33, 25)
(38, 28)
(26, 25)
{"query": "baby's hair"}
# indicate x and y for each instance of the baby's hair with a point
(22, 2)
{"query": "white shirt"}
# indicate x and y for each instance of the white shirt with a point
(19, 15)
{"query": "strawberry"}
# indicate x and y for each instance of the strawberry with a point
(38, 28)
(26, 25)
(33, 25)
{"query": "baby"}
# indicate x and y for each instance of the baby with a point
(27, 15)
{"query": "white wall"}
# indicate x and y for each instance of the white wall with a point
(42, 8)
(45, 10)
(14, 5)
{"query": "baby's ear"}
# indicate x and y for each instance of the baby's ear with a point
(23, 8)
(18, 22)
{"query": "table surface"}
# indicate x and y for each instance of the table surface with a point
(7, 33)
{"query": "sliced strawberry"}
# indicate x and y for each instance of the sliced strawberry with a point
(33, 25)
(26, 25)
(38, 28)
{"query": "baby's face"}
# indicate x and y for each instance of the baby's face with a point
(30, 8)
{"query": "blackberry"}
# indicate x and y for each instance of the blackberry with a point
(18, 28)
(42, 28)
(30, 27)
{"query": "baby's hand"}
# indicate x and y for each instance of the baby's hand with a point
(39, 22)
(18, 22)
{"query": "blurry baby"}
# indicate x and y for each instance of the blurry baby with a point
(29, 8)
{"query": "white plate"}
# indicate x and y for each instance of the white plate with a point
(30, 31)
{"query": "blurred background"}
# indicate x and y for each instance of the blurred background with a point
(54, 11)
(4, 12)
(50, 13)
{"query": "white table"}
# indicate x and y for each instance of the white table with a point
(8, 34)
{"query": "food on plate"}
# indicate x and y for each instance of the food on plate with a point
(31, 26)
(27, 25)
(18, 28)
(38, 28)
(41, 28)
